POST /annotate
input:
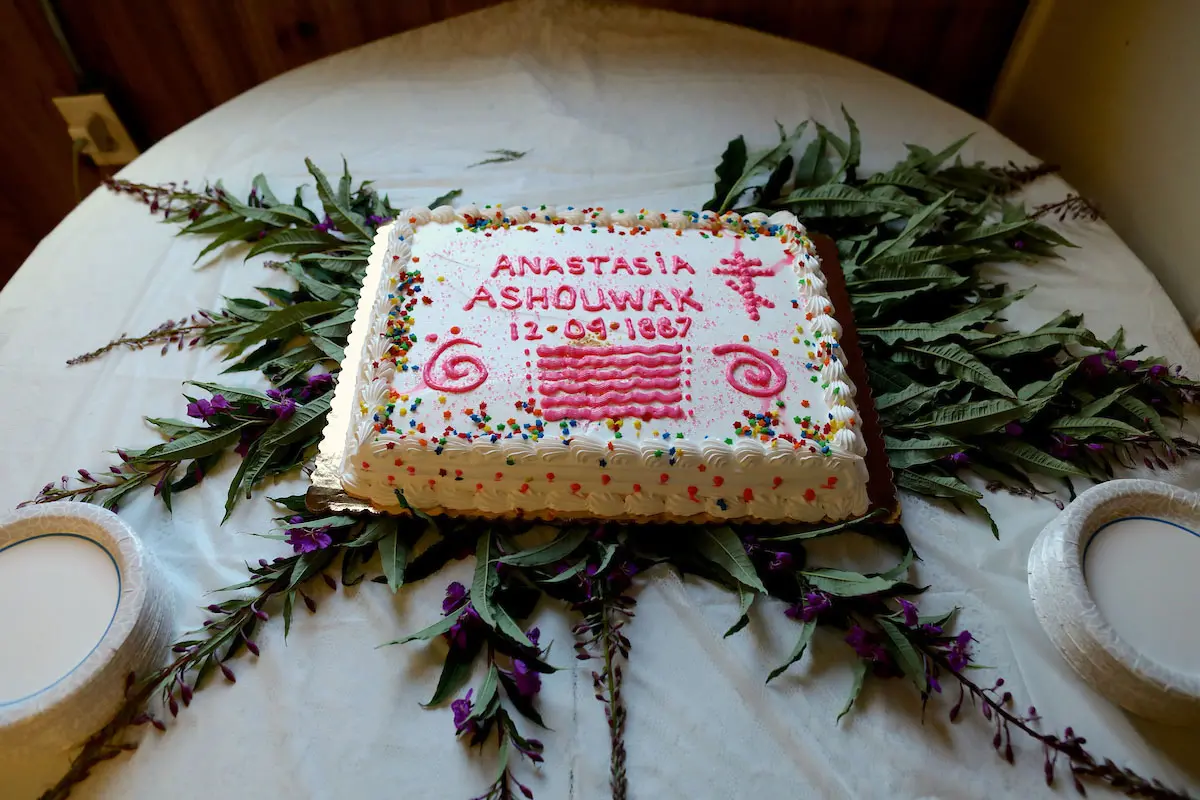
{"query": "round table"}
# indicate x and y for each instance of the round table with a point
(615, 107)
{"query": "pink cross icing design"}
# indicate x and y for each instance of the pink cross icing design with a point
(745, 270)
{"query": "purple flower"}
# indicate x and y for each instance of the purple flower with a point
(325, 226)
(1093, 366)
(1095, 446)
(284, 406)
(306, 540)
(534, 634)
(931, 630)
(1013, 429)
(1063, 447)
(456, 594)
(1111, 355)
(958, 656)
(910, 612)
(1019, 244)
(1129, 365)
(959, 459)
(375, 219)
(781, 561)
(247, 439)
(1157, 371)
(296, 519)
(528, 682)
(317, 384)
(460, 632)
(864, 645)
(814, 604)
(203, 409)
(463, 708)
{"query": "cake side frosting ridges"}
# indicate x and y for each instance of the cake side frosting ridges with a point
(559, 472)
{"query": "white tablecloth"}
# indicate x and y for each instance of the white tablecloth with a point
(617, 107)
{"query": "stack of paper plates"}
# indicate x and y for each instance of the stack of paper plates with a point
(80, 608)
(1115, 581)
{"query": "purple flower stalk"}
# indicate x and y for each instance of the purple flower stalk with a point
(1014, 429)
(782, 561)
(910, 612)
(456, 595)
(284, 406)
(308, 540)
(317, 384)
(958, 656)
(528, 682)
(203, 409)
(1093, 366)
(462, 708)
(959, 459)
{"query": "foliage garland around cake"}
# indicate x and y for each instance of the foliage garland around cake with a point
(956, 389)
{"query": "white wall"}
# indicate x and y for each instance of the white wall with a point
(1110, 90)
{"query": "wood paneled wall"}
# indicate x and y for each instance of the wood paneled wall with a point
(163, 63)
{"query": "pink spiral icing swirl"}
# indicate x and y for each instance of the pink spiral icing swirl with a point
(455, 369)
(760, 375)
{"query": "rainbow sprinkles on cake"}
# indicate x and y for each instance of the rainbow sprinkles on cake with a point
(584, 362)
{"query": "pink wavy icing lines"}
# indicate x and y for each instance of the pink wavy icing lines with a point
(743, 271)
(598, 382)
(760, 375)
(455, 369)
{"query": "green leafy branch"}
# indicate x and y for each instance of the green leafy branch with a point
(956, 388)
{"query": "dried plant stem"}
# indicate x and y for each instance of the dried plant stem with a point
(614, 711)
(1073, 206)
(1082, 763)
(186, 331)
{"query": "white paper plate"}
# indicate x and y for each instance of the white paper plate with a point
(96, 611)
(1132, 677)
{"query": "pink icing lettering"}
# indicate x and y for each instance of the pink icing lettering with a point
(678, 264)
(502, 265)
(596, 261)
(564, 298)
(455, 368)
(532, 297)
(662, 264)
(621, 265)
(481, 295)
(575, 265)
(683, 299)
(550, 265)
(744, 271)
(622, 298)
(760, 375)
(602, 305)
(658, 300)
(641, 266)
(534, 265)
(511, 298)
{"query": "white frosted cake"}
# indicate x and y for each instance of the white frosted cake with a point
(583, 362)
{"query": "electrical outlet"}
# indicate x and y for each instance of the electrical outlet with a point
(91, 118)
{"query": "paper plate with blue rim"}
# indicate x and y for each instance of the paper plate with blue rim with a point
(81, 607)
(1115, 582)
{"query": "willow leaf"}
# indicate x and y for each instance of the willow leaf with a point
(934, 485)
(897, 276)
(884, 298)
(1088, 427)
(456, 671)
(984, 311)
(1097, 406)
(435, 630)
(908, 402)
(1022, 343)
(280, 216)
(555, 550)
(446, 199)
(980, 233)
(903, 332)
(394, 550)
(724, 549)
(731, 167)
(283, 320)
(345, 220)
(806, 633)
(953, 359)
(213, 223)
(745, 601)
(1047, 389)
(917, 224)
(844, 583)
(249, 472)
(767, 161)
(975, 417)
(1031, 459)
(928, 161)
(196, 445)
(914, 452)
(906, 178)
(238, 232)
(856, 685)
(844, 195)
(287, 241)
(1148, 416)
(907, 657)
(828, 530)
(809, 165)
